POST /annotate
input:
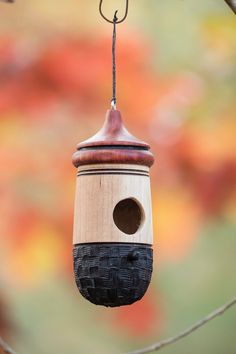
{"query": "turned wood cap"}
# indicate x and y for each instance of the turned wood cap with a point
(113, 144)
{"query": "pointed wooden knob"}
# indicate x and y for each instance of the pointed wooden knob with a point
(113, 144)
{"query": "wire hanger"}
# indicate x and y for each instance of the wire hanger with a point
(115, 21)
(112, 21)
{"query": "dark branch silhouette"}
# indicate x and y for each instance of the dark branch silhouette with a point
(232, 4)
(157, 346)
(5, 347)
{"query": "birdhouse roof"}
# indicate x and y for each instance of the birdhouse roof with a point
(113, 144)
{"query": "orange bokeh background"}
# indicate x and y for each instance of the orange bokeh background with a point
(54, 92)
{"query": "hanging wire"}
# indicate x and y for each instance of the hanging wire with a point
(115, 21)
(113, 100)
(112, 21)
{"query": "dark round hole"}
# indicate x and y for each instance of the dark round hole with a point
(127, 216)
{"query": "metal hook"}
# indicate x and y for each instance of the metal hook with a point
(112, 21)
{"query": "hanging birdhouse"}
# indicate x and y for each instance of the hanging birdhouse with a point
(113, 216)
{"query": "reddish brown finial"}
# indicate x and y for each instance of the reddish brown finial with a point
(113, 144)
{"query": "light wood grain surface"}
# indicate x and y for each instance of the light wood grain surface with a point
(99, 189)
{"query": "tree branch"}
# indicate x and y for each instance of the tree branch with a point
(5, 347)
(157, 346)
(232, 4)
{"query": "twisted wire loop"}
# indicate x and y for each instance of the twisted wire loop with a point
(115, 21)
(112, 21)
(113, 100)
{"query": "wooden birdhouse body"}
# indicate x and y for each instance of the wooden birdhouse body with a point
(113, 216)
(100, 189)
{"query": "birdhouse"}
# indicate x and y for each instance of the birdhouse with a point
(113, 233)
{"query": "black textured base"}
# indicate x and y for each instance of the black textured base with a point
(113, 274)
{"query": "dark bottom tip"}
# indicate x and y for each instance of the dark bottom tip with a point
(113, 274)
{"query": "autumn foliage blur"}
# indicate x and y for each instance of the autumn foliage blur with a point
(55, 94)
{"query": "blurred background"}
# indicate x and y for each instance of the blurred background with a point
(177, 90)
